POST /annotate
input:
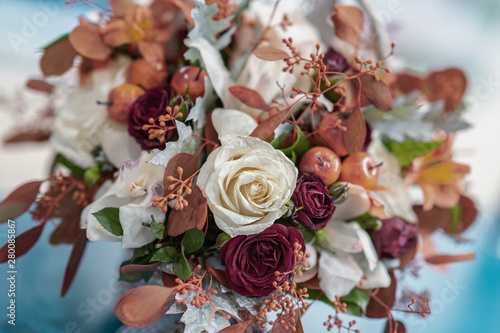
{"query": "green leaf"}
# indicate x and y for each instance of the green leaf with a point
(181, 266)
(109, 218)
(139, 252)
(165, 254)
(358, 300)
(92, 175)
(309, 235)
(193, 240)
(455, 218)
(60, 39)
(72, 167)
(299, 148)
(409, 149)
(322, 241)
(157, 229)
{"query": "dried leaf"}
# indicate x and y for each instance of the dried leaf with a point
(35, 135)
(399, 327)
(133, 268)
(376, 92)
(168, 280)
(152, 53)
(355, 135)
(87, 41)
(267, 127)
(220, 275)
(249, 97)
(237, 328)
(143, 305)
(24, 242)
(18, 201)
(408, 82)
(448, 85)
(189, 165)
(348, 22)
(74, 261)
(58, 58)
(210, 133)
(387, 296)
(468, 214)
(40, 85)
(409, 254)
(69, 229)
(119, 7)
(192, 216)
(270, 53)
(448, 259)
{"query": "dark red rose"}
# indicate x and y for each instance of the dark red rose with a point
(335, 62)
(316, 202)
(152, 104)
(394, 237)
(252, 261)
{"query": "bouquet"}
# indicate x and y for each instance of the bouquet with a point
(252, 157)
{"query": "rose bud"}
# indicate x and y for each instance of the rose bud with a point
(151, 105)
(335, 62)
(313, 202)
(394, 237)
(253, 260)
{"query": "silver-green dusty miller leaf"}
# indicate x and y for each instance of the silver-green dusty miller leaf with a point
(187, 143)
(202, 105)
(197, 320)
(418, 122)
(207, 28)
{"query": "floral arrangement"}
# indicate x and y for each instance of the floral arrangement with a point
(252, 158)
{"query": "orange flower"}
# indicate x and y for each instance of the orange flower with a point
(441, 179)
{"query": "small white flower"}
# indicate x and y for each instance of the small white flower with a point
(247, 184)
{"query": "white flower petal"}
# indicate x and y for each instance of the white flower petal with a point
(118, 145)
(338, 274)
(134, 233)
(230, 124)
(356, 204)
(378, 278)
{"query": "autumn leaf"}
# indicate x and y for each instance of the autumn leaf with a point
(24, 242)
(18, 201)
(189, 165)
(270, 53)
(249, 97)
(237, 328)
(355, 135)
(399, 327)
(448, 85)
(220, 275)
(74, 261)
(35, 135)
(192, 216)
(267, 127)
(134, 268)
(58, 58)
(143, 305)
(376, 92)
(40, 85)
(387, 296)
(445, 259)
(348, 22)
(87, 41)
(69, 229)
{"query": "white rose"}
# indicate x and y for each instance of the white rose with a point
(247, 184)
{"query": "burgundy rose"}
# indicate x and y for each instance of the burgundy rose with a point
(335, 62)
(252, 261)
(152, 104)
(315, 203)
(394, 237)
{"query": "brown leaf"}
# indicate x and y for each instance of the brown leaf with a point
(57, 59)
(249, 97)
(468, 213)
(270, 53)
(40, 85)
(69, 229)
(210, 133)
(119, 7)
(409, 254)
(312, 283)
(87, 41)
(220, 275)
(348, 22)
(189, 165)
(18, 201)
(448, 85)
(133, 268)
(74, 261)
(237, 328)
(448, 259)
(355, 135)
(168, 280)
(376, 92)
(408, 82)
(143, 305)
(267, 127)
(387, 296)
(24, 242)
(35, 135)
(399, 327)
(192, 216)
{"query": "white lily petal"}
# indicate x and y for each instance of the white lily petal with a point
(338, 274)
(378, 278)
(134, 233)
(230, 124)
(344, 237)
